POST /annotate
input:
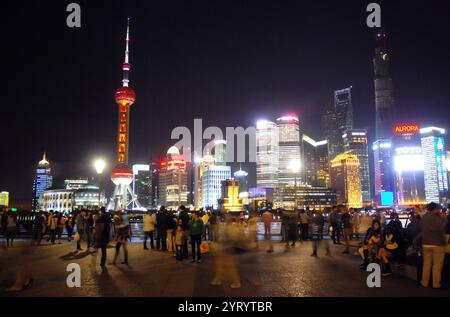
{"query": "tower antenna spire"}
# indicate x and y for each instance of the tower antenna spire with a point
(126, 65)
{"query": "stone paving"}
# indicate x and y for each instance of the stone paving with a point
(155, 273)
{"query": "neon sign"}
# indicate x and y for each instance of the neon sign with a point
(406, 128)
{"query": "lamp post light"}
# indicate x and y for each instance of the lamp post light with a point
(100, 165)
(294, 166)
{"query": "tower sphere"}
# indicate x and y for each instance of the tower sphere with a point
(122, 175)
(125, 95)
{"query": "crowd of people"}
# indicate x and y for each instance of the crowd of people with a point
(386, 242)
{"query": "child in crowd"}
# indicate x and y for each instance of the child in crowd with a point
(179, 242)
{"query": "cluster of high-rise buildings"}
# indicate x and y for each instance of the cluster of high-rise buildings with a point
(293, 170)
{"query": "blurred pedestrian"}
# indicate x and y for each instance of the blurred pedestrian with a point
(149, 228)
(195, 233)
(183, 219)
(267, 218)
(102, 234)
(335, 222)
(304, 225)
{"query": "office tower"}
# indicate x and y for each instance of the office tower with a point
(154, 169)
(408, 163)
(344, 109)
(173, 180)
(355, 142)
(142, 185)
(267, 139)
(304, 196)
(42, 181)
(211, 184)
(309, 160)
(345, 180)
(384, 104)
(331, 132)
(220, 152)
(434, 158)
(322, 164)
(199, 169)
(122, 175)
(289, 159)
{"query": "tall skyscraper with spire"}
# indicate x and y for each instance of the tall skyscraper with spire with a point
(384, 104)
(42, 181)
(122, 175)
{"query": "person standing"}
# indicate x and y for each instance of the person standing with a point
(53, 226)
(206, 226)
(347, 227)
(214, 222)
(195, 232)
(161, 229)
(183, 219)
(170, 228)
(356, 222)
(69, 227)
(149, 228)
(317, 234)
(267, 218)
(292, 228)
(335, 221)
(81, 230)
(11, 227)
(61, 225)
(304, 225)
(37, 228)
(433, 245)
(122, 236)
(102, 228)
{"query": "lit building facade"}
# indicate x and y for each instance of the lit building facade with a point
(383, 170)
(434, 158)
(315, 162)
(42, 181)
(288, 150)
(4, 199)
(211, 184)
(82, 196)
(220, 152)
(267, 149)
(231, 200)
(199, 168)
(242, 177)
(355, 142)
(345, 180)
(303, 196)
(142, 185)
(408, 164)
(173, 180)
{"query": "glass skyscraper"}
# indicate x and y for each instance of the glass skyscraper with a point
(267, 149)
(355, 142)
(212, 184)
(434, 157)
(288, 150)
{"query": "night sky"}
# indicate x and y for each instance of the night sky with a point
(228, 62)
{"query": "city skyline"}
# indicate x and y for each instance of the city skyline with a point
(278, 101)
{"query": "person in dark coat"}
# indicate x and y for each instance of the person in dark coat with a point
(102, 234)
(183, 220)
(161, 229)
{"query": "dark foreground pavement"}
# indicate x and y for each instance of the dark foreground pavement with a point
(153, 273)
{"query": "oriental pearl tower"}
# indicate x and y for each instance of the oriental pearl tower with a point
(122, 175)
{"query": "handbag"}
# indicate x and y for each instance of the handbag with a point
(77, 237)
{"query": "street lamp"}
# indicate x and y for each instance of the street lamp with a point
(294, 166)
(99, 165)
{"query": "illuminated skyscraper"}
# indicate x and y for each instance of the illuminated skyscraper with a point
(355, 142)
(408, 163)
(220, 152)
(199, 168)
(384, 104)
(242, 177)
(288, 150)
(344, 109)
(434, 156)
(345, 180)
(267, 154)
(42, 181)
(173, 180)
(142, 185)
(211, 184)
(315, 162)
